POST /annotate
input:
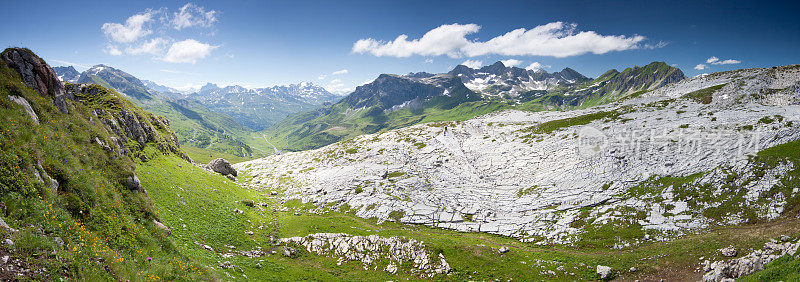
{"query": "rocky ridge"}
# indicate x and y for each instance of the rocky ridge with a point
(746, 265)
(372, 250)
(539, 177)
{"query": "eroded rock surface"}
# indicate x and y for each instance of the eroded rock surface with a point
(544, 176)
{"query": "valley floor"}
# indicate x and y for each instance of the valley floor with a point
(203, 211)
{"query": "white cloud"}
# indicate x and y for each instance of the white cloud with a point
(229, 55)
(511, 62)
(133, 29)
(112, 50)
(716, 61)
(188, 51)
(337, 86)
(536, 66)
(344, 71)
(473, 64)
(155, 46)
(192, 15)
(443, 40)
(428, 61)
(701, 66)
(556, 39)
(322, 76)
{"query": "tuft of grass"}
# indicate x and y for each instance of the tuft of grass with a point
(704, 96)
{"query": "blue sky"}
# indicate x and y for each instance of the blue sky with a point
(264, 43)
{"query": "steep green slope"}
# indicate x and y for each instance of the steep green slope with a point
(612, 86)
(68, 186)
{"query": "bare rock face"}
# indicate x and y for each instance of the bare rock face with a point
(37, 75)
(222, 166)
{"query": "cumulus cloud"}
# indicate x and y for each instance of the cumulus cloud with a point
(536, 66)
(344, 71)
(716, 61)
(188, 51)
(701, 66)
(556, 39)
(192, 15)
(511, 62)
(443, 40)
(322, 76)
(112, 50)
(133, 29)
(145, 33)
(155, 46)
(473, 64)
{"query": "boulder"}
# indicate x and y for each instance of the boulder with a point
(604, 271)
(132, 183)
(37, 75)
(503, 250)
(222, 166)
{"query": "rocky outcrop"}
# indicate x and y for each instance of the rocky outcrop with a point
(37, 75)
(25, 105)
(755, 261)
(124, 122)
(222, 166)
(373, 249)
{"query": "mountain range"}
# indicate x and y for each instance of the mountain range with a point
(235, 119)
(395, 101)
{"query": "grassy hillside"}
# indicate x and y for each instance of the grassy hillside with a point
(185, 196)
(90, 225)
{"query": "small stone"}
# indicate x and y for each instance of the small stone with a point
(604, 271)
(207, 247)
(9, 243)
(632, 269)
(560, 268)
(728, 252)
(391, 268)
(503, 250)
(289, 252)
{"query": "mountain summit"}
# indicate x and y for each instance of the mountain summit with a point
(497, 80)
